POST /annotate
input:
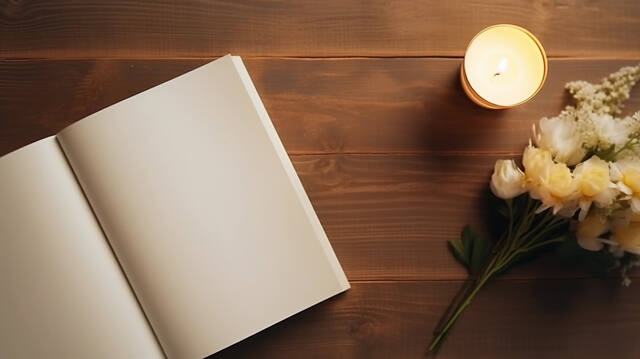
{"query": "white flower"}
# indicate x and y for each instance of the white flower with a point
(559, 135)
(507, 180)
(589, 232)
(612, 131)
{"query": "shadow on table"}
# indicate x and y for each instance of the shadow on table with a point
(454, 124)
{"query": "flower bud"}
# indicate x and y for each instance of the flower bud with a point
(507, 180)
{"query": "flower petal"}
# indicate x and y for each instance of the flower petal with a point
(590, 244)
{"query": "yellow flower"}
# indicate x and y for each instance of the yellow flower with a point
(627, 175)
(631, 178)
(589, 230)
(535, 162)
(558, 180)
(628, 237)
(592, 176)
(556, 189)
(594, 184)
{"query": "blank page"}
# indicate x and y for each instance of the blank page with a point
(62, 292)
(203, 209)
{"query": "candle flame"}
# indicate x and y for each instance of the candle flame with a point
(502, 67)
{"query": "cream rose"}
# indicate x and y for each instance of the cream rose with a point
(507, 180)
(559, 181)
(594, 184)
(556, 189)
(592, 177)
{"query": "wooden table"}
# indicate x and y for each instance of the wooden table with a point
(395, 159)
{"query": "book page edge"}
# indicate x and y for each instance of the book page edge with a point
(290, 170)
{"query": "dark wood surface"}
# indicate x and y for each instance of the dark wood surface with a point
(199, 28)
(395, 159)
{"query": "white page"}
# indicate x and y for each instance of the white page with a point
(203, 209)
(62, 292)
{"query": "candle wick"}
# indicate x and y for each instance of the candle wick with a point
(502, 66)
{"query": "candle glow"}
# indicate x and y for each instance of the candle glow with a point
(504, 66)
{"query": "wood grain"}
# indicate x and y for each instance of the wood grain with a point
(510, 319)
(409, 105)
(193, 28)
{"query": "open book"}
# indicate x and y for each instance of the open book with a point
(169, 224)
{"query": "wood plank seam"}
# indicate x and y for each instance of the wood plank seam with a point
(288, 57)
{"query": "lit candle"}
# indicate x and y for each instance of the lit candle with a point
(504, 66)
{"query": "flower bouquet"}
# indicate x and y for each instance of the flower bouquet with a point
(579, 193)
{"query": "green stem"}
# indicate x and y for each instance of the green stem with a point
(524, 225)
(524, 250)
(546, 220)
(627, 146)
(544, 243)
(552, 226)
(479, 284)
(517, 241)
(522, 228)
(631, 142)
(534, 244)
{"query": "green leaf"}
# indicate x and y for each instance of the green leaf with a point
(467, 242)
(607, 154)
(470, 250)
(459, 252)
(480, 254)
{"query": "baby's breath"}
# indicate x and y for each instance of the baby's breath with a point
(594, 116)
(608, 96)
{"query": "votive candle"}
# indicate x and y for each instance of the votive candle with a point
(504, 66)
